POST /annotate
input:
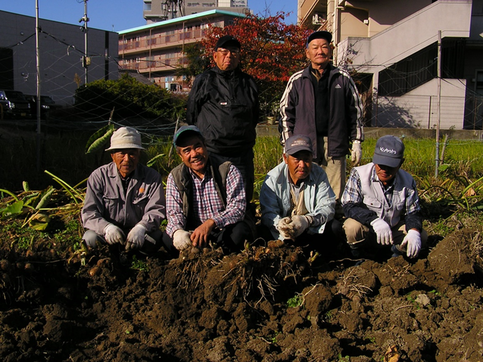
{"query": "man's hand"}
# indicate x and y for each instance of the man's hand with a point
(114, 234)
(135, 238)
(300, 224)
(199, 237)
(383, 231)
(412, 242)
(181, 239)
(285, 227)
(356, 154)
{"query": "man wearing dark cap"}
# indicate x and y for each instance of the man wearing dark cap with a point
(223, 104)
(296, 199)
(124, 203)
(382, 205)
(204, 202)
(322, 101)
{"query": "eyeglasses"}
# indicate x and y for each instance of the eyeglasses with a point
(226, 51)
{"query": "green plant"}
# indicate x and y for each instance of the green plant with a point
(344, 359)
(139, 264)
(295, 301)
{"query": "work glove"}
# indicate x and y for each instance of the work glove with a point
(300, 224)
(412, 242)
(181, 239)
(383, 231)
(135, 238)
(285, 227)
(356, 154)
(114, 234)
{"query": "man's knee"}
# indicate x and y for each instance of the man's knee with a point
(354, 231)
(91, 238)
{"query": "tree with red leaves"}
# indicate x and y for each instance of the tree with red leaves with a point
(271, 51)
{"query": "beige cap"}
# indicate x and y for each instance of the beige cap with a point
(125, 137)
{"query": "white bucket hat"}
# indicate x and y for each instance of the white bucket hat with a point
(125, 137)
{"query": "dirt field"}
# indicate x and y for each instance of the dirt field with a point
(271, 302)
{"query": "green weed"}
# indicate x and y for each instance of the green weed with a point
(139, 264)
(295, 301)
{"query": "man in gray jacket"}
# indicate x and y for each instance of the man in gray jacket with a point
(296, 199)
(322, 102)
(381, 204)
(124, 201)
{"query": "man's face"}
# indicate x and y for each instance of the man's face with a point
(193, 153)
(299, 165)
(386, 174)
(126, 160)
(319, 53)
(227, 58)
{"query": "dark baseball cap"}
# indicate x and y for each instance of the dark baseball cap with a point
(227, 41)
(389, 151)
(319, 35)
(298, 143)
(184, 130)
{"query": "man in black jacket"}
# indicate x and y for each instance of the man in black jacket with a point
(223, 104)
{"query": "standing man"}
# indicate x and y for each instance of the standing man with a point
(382, 205)
(322, 101)
(124, 201)
(205, 202)
(296, 199)
(223, 104)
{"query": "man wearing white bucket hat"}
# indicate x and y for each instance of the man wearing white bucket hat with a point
(124, 201)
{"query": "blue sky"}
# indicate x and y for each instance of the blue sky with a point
(119, 15)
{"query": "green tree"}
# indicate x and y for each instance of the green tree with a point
(197, 61)
(129, 98)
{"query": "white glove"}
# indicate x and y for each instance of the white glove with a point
(135, 238)
(114, 234)
(300, 224)
(356, 154)
(181, 239)
(383, 231)
(412, 242)
(285, 227)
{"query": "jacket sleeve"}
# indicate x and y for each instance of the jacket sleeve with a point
(194, 100)
(324, 207)
(288, 102)
(355, 110)
(352, 201)
(271, 206)
(154, 211)
(256, 103)
(94, 209)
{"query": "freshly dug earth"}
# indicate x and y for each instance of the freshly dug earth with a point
(272, 302)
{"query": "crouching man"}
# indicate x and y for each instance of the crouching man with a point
(124, 201)
(381, 204)
(205, 201)
(296, 200)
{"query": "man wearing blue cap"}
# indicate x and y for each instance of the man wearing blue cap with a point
(205, 202)
(296, 200)
(322, 101)
(381, 204)
(223, 104)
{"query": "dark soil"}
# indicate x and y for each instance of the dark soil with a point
(271, 302)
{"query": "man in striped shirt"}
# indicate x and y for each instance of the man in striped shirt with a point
(205, 201)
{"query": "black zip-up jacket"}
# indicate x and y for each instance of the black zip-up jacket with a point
(297, 110)
(224, 106)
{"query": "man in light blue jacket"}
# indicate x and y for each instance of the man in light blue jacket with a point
(296, 199)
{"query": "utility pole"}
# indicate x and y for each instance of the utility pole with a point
(436, 168)
(37, 61)
(86, 60)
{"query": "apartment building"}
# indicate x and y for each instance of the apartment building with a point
(160, 10)
(157, 49)
(418, 62)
